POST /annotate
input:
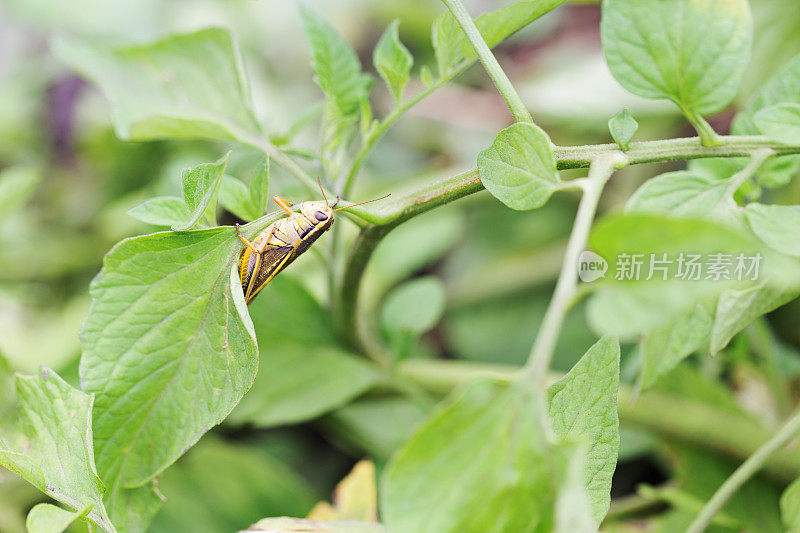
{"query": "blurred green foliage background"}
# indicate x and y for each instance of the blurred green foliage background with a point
(66, 183)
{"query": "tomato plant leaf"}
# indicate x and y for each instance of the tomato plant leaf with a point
(56, 454)
(416, 306)
(393, 61)
(680, 194)
(665, 347)
(223, 486)
(235, 197)
(776, 225)
(259, 187)
(447, 39)
(200, 188)
(162, 91)
(338, 74)
(693, 52)
(48, 518)
(298, 383)
(629, 307)
(132, 509)
(622, 127)
(169, 348)
(573, 508)
(736, 309)
(519, 169)
(583, 405)
(780, 122)
(784, 87)
(295, 381)
(473, 449)
(451, 46)
(161, 211)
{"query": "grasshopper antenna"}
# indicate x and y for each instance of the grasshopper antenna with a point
(323, 192)
(362, 203)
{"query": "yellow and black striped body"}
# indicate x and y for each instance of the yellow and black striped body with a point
(281, 243)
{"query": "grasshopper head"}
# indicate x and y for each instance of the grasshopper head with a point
(317, 211)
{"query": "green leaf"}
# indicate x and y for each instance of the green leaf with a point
(776, 225)
(662, 349)
(168, 347)
(132, 509)
(200, 188)
(338, 74)
(301, 382)
(622, 127)
(451, 45)
(736, 309)
(629, 308)
(304, 525)
(48, 518)
(57, 458)
(693, 52)
(473, 449)
(161, 211)
(780, 122)
(259, 186)
(416, 306)
(393, 61)
(583, 406)
(519, 169)
(222, 486)
(185, 86)
(448, 40)
(303, 373)
(680, 194)
(790, 507)
(235, 197)
(573, 508)
(784, 87)
(286, 313)
(17, 185)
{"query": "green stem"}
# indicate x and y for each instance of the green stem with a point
(493, 68)
(708, 137)
(748, 469)
(568, 157)
(542, 351)
(759, 156)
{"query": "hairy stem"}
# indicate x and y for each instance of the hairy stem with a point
(568, 157)
(542, 351)
(748, 469)
(493, 68)
(708, 137)
(759, 156)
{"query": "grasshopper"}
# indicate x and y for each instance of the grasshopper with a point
(284, 240)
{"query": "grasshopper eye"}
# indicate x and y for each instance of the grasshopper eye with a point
(319, 215)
